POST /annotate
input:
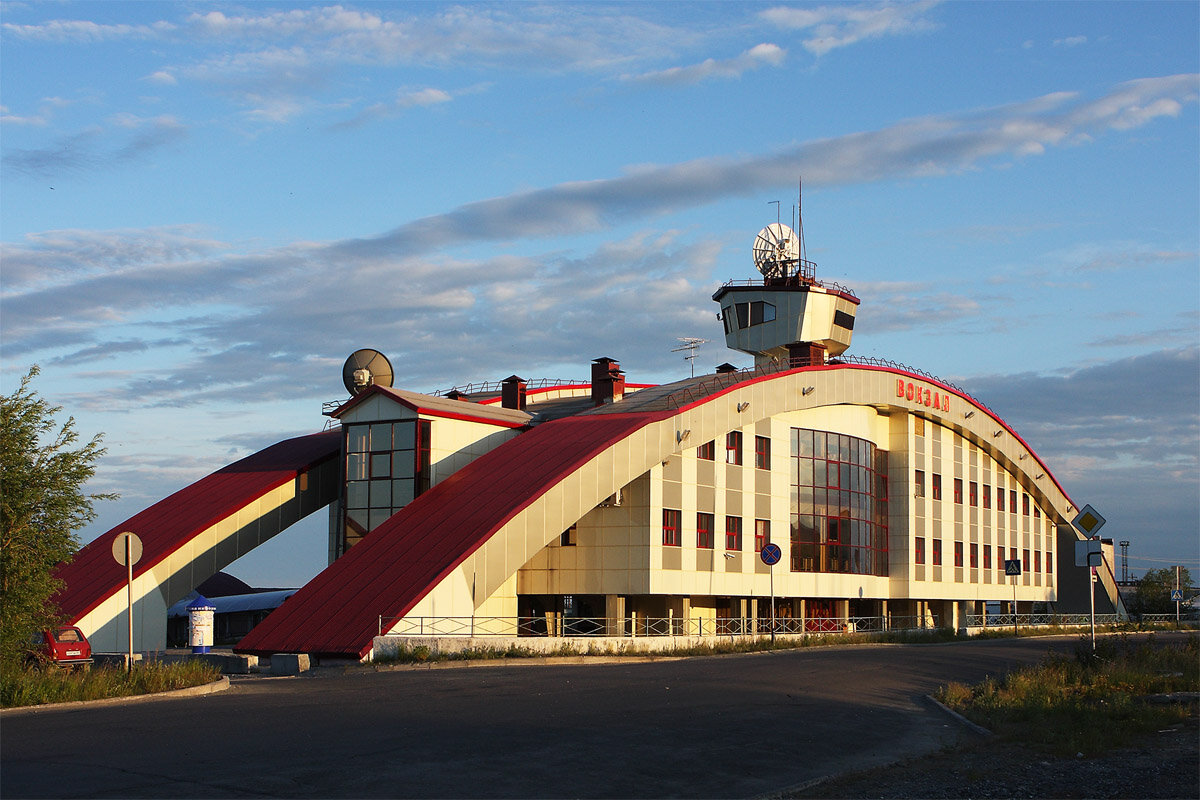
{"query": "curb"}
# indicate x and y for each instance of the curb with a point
(982, 731)
(219, 685)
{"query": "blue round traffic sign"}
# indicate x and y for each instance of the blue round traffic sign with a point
(771, 554)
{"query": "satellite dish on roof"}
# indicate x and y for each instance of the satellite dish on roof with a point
(364, 368)
(775, 248)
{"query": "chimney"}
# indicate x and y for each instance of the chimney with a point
(512, 393)
(608, 382)
(455, 394)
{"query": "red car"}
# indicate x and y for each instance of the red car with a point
(66, 646)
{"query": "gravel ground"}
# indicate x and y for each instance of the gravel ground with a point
(1164, 765)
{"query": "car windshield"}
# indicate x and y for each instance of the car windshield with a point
(67, 636)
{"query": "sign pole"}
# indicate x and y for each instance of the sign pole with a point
(1015, 631)
(1092, 602)
(1177, 593)
(773, 604)
(129, 599)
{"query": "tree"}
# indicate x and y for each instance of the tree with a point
(42, 504)
(1153, 593)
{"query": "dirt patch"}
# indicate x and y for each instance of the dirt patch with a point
(1162, 765)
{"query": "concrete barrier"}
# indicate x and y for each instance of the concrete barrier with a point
(290, 663)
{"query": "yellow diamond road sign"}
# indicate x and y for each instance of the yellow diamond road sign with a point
(1088, 521)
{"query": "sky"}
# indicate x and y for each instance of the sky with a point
(206, 207)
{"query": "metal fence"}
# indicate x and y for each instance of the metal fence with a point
(570, 627)
(559, 626)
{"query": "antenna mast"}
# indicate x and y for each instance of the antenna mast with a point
(690, 344)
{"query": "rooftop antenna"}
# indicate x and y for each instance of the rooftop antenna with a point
(776, 202)
(800, 216)
(690, 344)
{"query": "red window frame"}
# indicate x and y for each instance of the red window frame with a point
(937, 552)
(1000, 557)
(733, 448)
(762, 452)
(987, 496)
(1025, 504)
(974, 554)
(1000, 498)
(919, 549)
(762, 534)
(704, 530)
(1025, 560)
(973, 493)
(937, 486)
(987, 557)
(1012, 501)
(1037, 560)
(958, 554)
(733, 533)
(958, 494)
(672, 519)
(1049, 560)
(707, 451)
(919, 483)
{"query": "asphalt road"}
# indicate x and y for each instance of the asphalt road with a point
(729, 726)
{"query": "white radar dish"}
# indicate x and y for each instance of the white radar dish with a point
(776, 248)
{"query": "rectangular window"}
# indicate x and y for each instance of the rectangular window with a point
(1025, 560)
(958, 554)
(707, 451)
(733, 533)
(919, 549)
(762, 452)
(958, 491)
(919, 426)
(973, 494)
(974, 556)
(937, 486)
(1000, 557)
(937, 552)
(1012, 554)
(1024, 504)
(762, 534)
(671, 535)
(1037, 560)
(568, 537)
(919, 483)
(1037, 513)
(987, 557)
(704, 531)
(733, 448)
(1012, 501)
(1000, 498)
(1049, 561)
(987, 496)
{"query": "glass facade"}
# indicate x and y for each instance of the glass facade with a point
(387, 465)
(839, 504)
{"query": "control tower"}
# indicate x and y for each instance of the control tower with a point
(789, 316)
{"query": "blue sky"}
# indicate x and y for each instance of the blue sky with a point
(208, 206)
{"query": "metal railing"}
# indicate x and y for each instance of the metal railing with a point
(559, 626)
(722, 381)
(1038, 620)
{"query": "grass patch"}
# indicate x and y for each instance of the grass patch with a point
(32, 687)
(1085, 703)
(421, 653)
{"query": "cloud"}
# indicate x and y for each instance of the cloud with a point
(84, 31)
(1127, 428)
(124, 140)
(757, 56)
(403, 100)
(250, 315)
(925, 146)
(841, 25)
(1070, 41)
